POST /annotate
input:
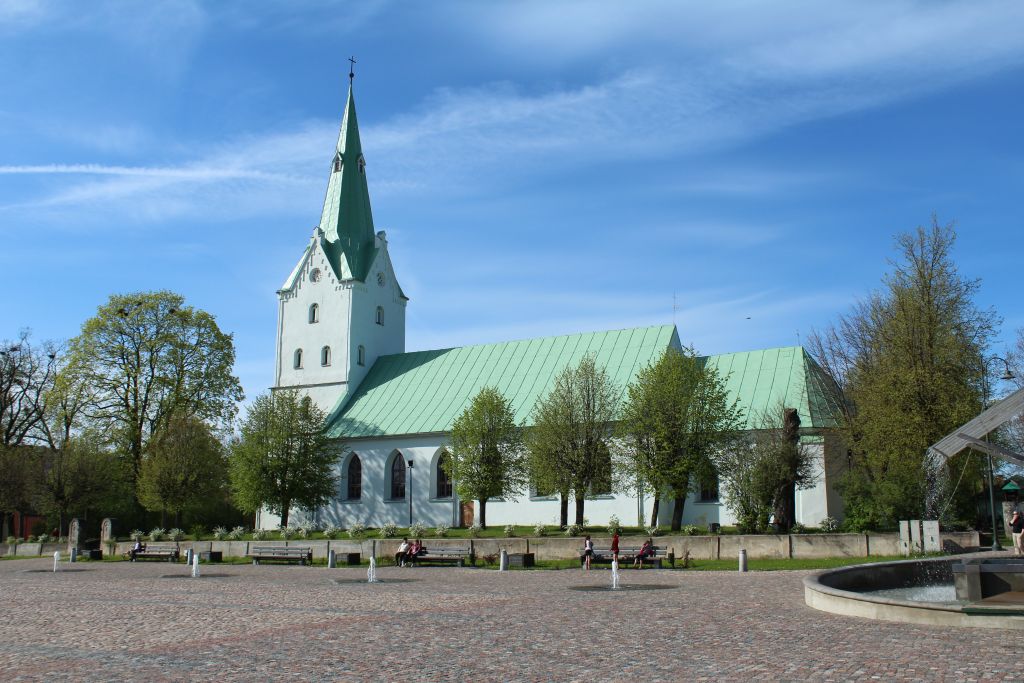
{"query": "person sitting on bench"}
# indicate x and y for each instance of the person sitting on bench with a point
(136, 549)
(403, 553)
(415, 550)
(646, 550)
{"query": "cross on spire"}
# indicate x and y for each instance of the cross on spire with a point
(351, 69)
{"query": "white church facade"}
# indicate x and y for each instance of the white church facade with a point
(341, 340)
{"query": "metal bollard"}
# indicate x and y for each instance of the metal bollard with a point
(503, 562)
(743, 559)
(331, 559)
(74, 555)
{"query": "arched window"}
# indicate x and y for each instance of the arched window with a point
(325, 355)
(361, 355)
(354, 487)
(380, 315)
(444, 483)
(297, 361)
(397, 477)
(314, 313)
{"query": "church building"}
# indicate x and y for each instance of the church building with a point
(341, 341)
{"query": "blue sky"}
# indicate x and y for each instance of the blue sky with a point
(540, 167)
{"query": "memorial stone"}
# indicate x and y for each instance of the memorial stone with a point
(904, 537)
(930, 536)
(916, 542)
(74, 530)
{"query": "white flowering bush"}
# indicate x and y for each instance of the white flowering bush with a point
(691, 530)
(574, 530)
(136, 535)
(614, 525)
(509, 531)
(156, 533)
(175, 534)
(441, 530)
(798, 528)
(475, 529)
(219, 533)
(389, 530)
(653, 530)
(237, 533)
(331, 531)
(44, 538)
(285, 531)
(357, 530)
(12, 540)
(307, 528)
(260, 534)
(829, 525)
(417, 530)
(539, 529)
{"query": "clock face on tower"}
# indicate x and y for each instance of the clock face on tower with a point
(380, 279)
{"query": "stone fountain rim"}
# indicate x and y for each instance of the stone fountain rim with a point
(850, 603)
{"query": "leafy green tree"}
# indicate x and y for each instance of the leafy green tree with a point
(570, 443)
(26, 377)
(909, 359)
(147, 356)
(677, 420)
(283, 459)
(80, 477)
(184, 464)
(486, 451)
(761, 478)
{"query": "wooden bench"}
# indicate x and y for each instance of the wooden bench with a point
(456, 556)
(303, 556)
(170, 553)
(627, 556)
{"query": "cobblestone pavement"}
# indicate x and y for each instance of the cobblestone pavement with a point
(150, 621)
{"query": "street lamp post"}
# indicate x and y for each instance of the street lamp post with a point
(1007, 375)
(408, 486)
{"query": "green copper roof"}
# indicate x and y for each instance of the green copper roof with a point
(424, 391)
(346, 221)
(761, 380)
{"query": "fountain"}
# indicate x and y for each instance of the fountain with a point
(615, 573)
(56, 560)
(195, 565)
(371, 573)
(983, 592)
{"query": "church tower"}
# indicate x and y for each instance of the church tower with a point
(342, 306)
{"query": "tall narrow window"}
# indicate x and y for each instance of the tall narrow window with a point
(361, 355)
(297, 360)
(444, 482)
(314, 313)
(354, 488)
(397, 477)
(380, 315)
(337, 164)
(325, 356)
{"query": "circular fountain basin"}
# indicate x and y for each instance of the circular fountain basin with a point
(909, 591)
(623, 588)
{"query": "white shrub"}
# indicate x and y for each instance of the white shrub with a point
(175, 534)
(509, 531)
(136, 535)
(260, 534)
(219, 533)
(614, 526)
(475, 529)
(389, 530)
(417, 530)
(653, 530)
(357, 530)
(539, 529)
(829, 525)
(237, 533)
(331, 531)
(156, 534)
(574, 530)
(441, 530)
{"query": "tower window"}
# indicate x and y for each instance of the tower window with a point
(314, 313)
(337, 164)
(297, 360)
(361, 355)
(325, 355)
(380, 315)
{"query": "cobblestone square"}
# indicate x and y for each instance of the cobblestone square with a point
(151, 622)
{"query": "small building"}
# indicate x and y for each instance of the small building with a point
(341, 340)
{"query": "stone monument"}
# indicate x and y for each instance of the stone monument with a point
(74, 530)
(107, 534)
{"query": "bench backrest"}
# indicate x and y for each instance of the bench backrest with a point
(445, 551)
(274, 550)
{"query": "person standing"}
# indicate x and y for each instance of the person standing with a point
(615, 546)
(1017, 527)
(588, 552)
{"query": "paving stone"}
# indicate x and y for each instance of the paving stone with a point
(130, 621)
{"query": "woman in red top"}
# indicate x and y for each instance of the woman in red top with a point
(615, 545)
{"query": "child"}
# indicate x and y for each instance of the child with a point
(588, 552)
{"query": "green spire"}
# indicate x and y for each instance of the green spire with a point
(346, 220)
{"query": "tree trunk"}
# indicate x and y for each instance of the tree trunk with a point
(483, 513)
(785, 509)
(284, 512)
(654, 511)
(563, 511)
(579, 509)
(677, 513)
